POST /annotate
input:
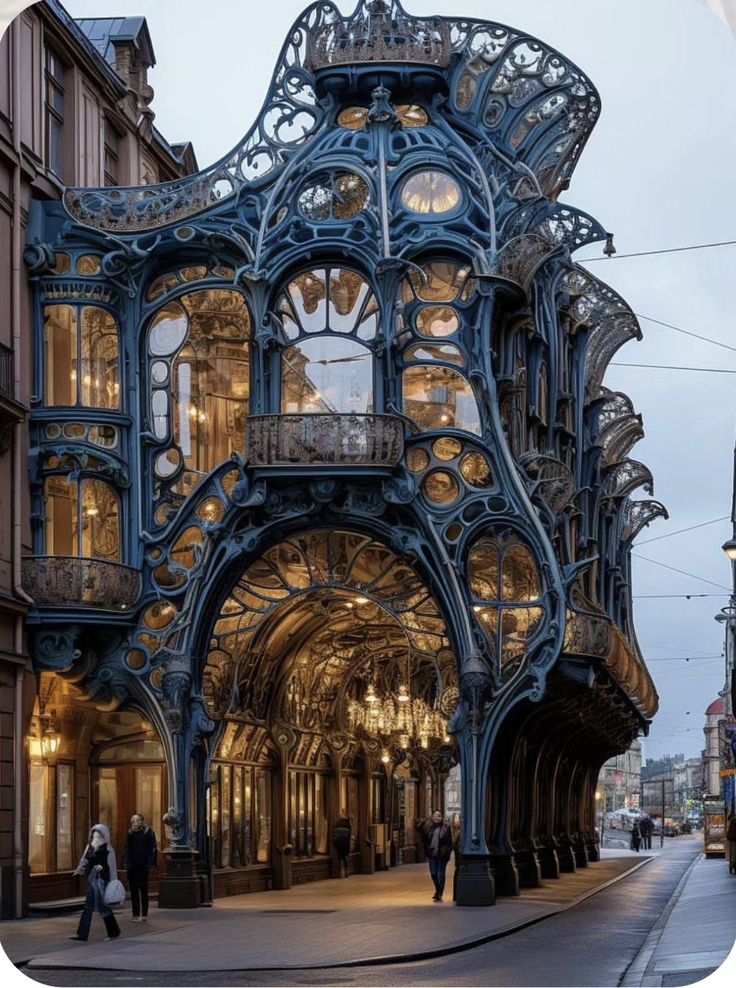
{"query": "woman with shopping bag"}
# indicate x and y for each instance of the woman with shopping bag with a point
(105, 889)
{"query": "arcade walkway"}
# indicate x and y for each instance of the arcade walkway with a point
(388, 916)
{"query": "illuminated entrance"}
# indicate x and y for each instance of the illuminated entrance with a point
(329, 675)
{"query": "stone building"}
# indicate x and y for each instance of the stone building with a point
(714, 714)
(75, 108)
(328, 494)
(620, 780)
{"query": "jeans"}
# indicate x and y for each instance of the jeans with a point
(95, 903)
(138, 885)
(647, 841)
(437, 869)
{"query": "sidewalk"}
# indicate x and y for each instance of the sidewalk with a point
(366, 919)
(695, 934)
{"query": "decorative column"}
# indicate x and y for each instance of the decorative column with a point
(475, 884)
(281, 848)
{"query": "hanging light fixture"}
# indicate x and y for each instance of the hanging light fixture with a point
(370, 694)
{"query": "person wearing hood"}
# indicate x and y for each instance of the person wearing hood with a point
(99, 865)
(139, 857)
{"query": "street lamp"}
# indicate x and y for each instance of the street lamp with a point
(729, 547)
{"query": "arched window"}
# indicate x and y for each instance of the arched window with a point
(81, 356)
(505, 583)
(435, 395)
(82, 518)
(199, 374)
(327, 313)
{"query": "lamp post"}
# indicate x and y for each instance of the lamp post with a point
(600, 807)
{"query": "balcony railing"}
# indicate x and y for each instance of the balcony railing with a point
(6, 371)
(74, 581)
(325, 440)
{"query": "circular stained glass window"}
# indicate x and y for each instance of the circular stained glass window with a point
(168, 463)
(447, 448)
(441, 487)
(412, 115)
(353, 117)
(338, 197)
(158, 616)
(417, 460)
(88, 264)
(453, 532)
(74, 430)
(475, 470)
(431, 193)
(135, 659)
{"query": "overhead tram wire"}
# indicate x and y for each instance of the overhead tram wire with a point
(703, 370)
(683, 572)
(686, 332)
(674, 596)
(651, 253)
(681, 531)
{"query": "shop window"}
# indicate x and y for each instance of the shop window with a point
(81, 357)
(326, 374)
(438, 397)
(82, 518)
(51, 817)
(504, 580)
(240, 815)
(308, 813)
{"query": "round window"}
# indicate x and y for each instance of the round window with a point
(431, 193)
(441, 487)
(475, 470)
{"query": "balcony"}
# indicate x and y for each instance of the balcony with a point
(74, 581)
(334, 440)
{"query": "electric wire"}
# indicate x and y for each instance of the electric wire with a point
(664, 250)
(680, 531)
(686, 332)
(683, 572)
(703, 370)
(673, 596)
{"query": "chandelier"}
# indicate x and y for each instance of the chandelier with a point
(396, 717)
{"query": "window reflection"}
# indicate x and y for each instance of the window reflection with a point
(240, 815)
(81, 357)
(438, 397)
(82, 518)
(431, 192)
(439, 281)
(326, 374)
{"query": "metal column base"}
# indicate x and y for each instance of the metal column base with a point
(181, 886)
(475, 885)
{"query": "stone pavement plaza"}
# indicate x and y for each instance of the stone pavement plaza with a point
(387, 916)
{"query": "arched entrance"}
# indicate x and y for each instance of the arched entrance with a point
(331, 678)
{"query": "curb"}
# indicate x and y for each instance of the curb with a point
(452, 948)
(635, 973)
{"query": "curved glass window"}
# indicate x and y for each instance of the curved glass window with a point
(431, 193)
(439, 397)
(334, 197)
(326, 374)
(196, 272)
(437, 321)
(437, 351)
(504, 578)
(81, 356)
(199, 376)
(356, 117)
(329, 299)
(82, 518)
(438, 281)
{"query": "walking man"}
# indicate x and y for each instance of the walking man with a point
(342, 834)
(437, 836)
(139, 856)
(646, 827)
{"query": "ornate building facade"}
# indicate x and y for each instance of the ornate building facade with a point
(328, 493)
(75, 108)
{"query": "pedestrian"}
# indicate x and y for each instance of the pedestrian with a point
(646, 826)
(437, 837)
(99, 865)
(635, 836)
(731, 843)
(457, 840)
(140, 856)
(342, 834)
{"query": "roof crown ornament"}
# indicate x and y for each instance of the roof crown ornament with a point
(379, 31)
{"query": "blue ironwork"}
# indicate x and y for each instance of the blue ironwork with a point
(387, 143)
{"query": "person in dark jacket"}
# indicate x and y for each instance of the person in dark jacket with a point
(437, 837)
(635, 836)
(99, 865)
(139, 857)
(342, 834)
(646, 826)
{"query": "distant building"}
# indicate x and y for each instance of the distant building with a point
(711, 756)
(620, 780)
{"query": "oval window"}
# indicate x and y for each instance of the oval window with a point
(168, 330)
(447, 448)
(439, 351)
(475, 470)
(431, 193)
(168, 462)
(441, 487)
(412, 115)
(437, 321)
(417, 459)
(353, 117)
(338, 197)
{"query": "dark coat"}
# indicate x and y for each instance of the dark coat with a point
(341, 834)
(140, 851)
(731, 832)
(426, 829)
(93, 857)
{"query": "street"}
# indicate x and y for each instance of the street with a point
(613, 925)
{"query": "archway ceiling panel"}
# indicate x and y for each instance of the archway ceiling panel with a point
(516, 93)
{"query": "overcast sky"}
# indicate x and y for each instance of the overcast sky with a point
(658, 172)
